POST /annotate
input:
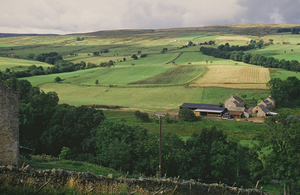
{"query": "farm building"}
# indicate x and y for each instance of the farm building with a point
(205, 109)
(236, 114)
(234, 102)
(269, 103)
(262, 111)
(15, 56)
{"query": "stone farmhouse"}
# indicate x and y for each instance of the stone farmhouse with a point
(9, 126)
(234, 102)
(234, 107)
(263, 108)
(269, 103)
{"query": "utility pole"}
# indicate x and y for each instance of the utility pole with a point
(159, 168)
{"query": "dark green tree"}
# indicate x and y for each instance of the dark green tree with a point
(57, 79)
(31, 56)
(186, 114)
(96, 53)
(134, 56)
(281, 138)
(211, 156)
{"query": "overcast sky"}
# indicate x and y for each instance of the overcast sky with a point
(71, 16)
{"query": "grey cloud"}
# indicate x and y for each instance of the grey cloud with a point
(65, 16)
(271, 11)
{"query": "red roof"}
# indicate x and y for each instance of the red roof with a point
(235, 113)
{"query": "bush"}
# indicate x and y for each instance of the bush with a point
(142, 116)
(65, 153)
(186, 114)
(57, 79)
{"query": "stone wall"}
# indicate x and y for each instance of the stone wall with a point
(58, 178)
(9, 126)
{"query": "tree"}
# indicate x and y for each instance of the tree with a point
(57, 79)
(246, 58)
(96, 53)
(282, 138)
(164, 50)
(71, 127)
(134, 56)
(211, 156)
(186, 114)
(65, 153)
(142, 116)
(34, 117)
(31, 56)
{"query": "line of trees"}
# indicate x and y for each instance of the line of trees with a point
(60, 66)
(293, 30)
(237, 53)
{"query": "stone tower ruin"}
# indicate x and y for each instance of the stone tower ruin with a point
(9, 126)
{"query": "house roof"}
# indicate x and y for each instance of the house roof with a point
(235, 113)
(235, 102)
(238, 98)
(237, 109)
(208, 110)
(264, 109)
(203, 107)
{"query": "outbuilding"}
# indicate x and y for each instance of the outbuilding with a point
(205, 109)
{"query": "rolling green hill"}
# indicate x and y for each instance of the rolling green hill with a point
(152, 82)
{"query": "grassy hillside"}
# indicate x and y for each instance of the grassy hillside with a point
(152, 83)
(15, 64)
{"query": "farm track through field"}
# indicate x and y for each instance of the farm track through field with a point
(169, 76)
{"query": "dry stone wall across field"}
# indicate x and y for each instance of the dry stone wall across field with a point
(9, 126)
(58, 177)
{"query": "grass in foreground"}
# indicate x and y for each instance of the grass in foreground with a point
(48, 162)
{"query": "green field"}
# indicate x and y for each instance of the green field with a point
(15, 64)
(150, 99)
(287, 52)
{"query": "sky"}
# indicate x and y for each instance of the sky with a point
(76, 16)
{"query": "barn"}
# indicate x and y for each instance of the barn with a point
(205, 109)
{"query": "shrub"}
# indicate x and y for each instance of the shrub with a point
(57, 79)
(186, 114)
(65, 153)
(142, 116)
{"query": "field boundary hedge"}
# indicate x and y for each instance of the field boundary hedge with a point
(175, 58)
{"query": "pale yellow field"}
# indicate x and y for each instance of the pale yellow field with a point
(242, 77)
(233, 38)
